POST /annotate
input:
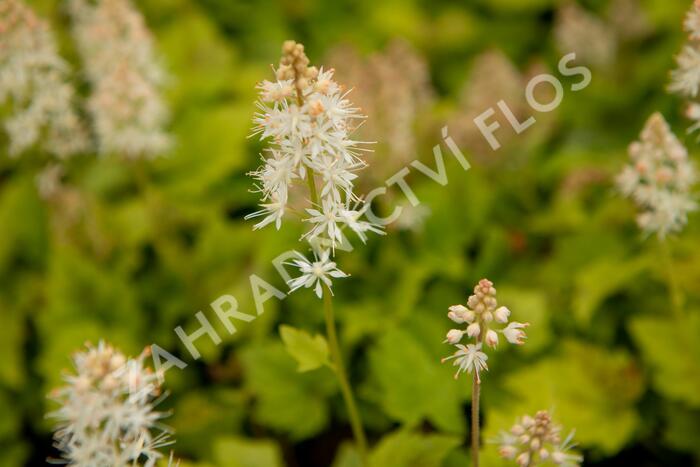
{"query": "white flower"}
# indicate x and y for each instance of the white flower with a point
(308, 120)
(273, 212)
(659, 179)
(117, 51)
(514, 332)
(107, 416)
(469, 358)
(316, 273)
(501, 314)
(491, 338)
(473, 330)
(34, 85)
(454, 336)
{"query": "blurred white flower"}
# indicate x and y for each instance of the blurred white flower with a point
(580, 31)
(309, 121)
(34, 82)
(120, 63)
(107, 416)
(534, 441)
(315, 273)
(469, 358)
(659, 179)
(514, 332)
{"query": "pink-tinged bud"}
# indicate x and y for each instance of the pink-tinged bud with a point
(469, 316)
(517, 430)
(458, 308)
(487, 316)
(544, 454)
(456, 317)
(473, 330)
(507, 451)
(535, 444)
(523, 459)
(454, 336)
(491, 338)
(528, 421)
(514, 332)
(501, 314)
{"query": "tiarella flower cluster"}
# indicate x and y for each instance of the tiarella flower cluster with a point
(33, 79)
(480, 316)
(659, 179)
(536, 441)
(393, 86)
(107, 416)
(591, 38)
(685, 79)
(308, 119)
(125, 104)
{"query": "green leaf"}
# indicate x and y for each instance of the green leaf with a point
(597, 281)
(241, 452)
(672, 351)
(589, 388)
(412, 385)
(407, 449)
(310, 352)
(286, 400)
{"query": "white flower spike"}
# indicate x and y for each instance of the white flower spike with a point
(534, 441)
(107, 415)
(480, 315)
(659, 178)
(309, 122)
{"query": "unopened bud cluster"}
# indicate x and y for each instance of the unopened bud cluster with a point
(537, 440)
(107, 415)
(482, 316)
(294, 65)
(659, 179)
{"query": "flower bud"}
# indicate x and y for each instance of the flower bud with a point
(491, 338)
(523, 459)
(456, 317)
(454, 336)
(507, 451)
(514, 333)
(501, 314)
(473, 330)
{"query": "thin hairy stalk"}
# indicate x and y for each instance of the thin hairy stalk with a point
(336, 356)
(674, 289)
(476, 389)
(341, 374)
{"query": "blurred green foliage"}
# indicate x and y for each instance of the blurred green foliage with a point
(152, 243)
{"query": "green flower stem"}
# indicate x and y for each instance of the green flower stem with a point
(339, 369)
(336, 356)
(674, 288)
(476, 389)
